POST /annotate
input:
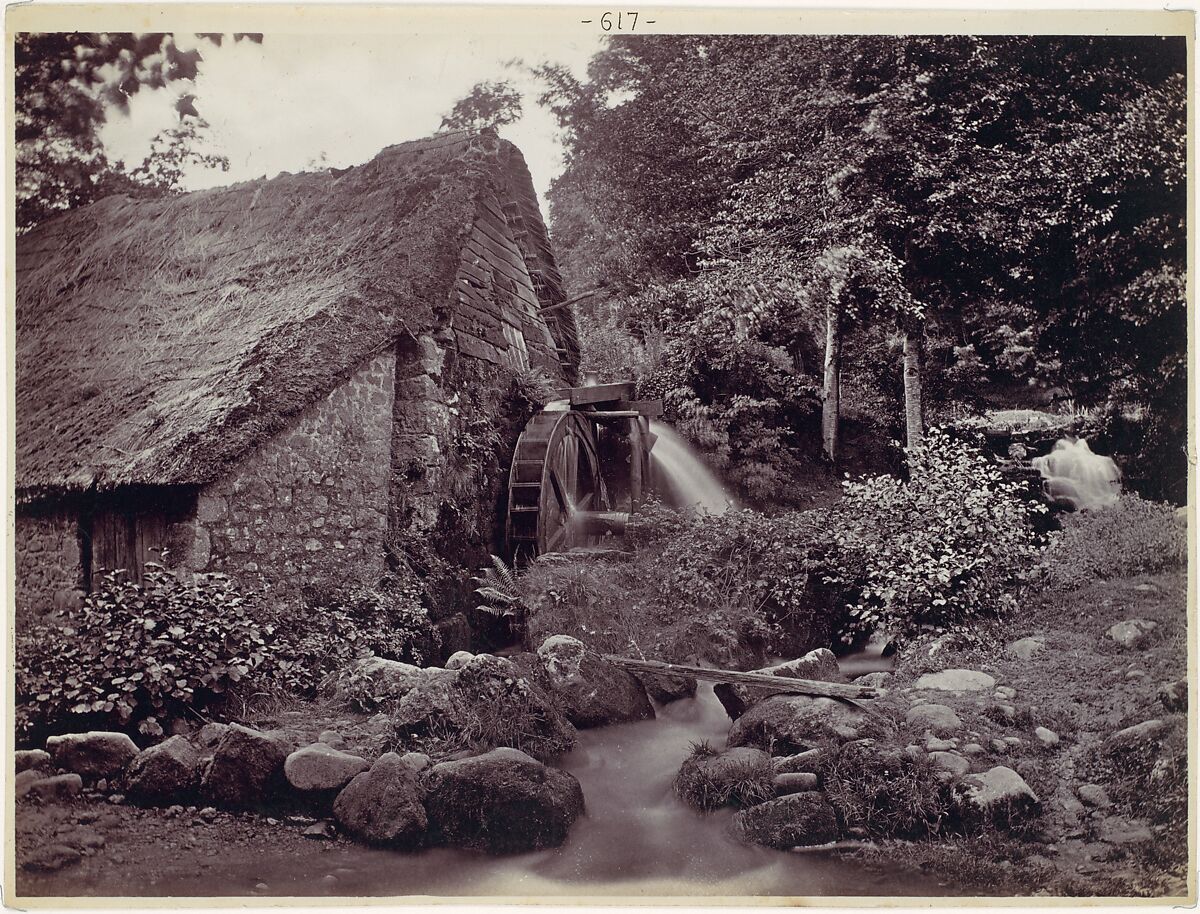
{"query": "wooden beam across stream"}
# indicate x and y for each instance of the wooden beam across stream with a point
(775, 684)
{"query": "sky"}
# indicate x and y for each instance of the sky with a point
(285, 104)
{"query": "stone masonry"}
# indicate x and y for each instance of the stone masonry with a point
(309, 505)
(49, 570)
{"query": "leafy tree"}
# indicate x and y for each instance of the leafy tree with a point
(66, 84)
(1011, 207)
(489, 104)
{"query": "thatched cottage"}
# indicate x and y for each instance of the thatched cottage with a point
(283, 379)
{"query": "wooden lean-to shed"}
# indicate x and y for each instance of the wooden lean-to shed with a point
(279, 379)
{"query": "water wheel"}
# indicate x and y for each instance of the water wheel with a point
(556, 498)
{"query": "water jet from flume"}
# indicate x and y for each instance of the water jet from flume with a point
(679, 470)
(1077, 478)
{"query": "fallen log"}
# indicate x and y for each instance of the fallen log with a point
(765, 681)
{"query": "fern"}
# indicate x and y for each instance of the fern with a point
(501, 589)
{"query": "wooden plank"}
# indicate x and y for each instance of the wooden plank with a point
(765, 681)
(597, 393)
(650, 408)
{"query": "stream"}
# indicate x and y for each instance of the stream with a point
(636, 840)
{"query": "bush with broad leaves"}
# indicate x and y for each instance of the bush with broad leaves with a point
(950, 546)
(138, 654)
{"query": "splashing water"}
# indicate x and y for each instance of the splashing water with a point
(1075, 477)
(689, 483)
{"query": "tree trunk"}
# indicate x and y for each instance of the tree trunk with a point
(914, 358)
(831, 391)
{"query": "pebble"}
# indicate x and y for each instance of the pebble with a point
(102, 785)
(1005, 693)
(260, 887)
(116, 799)
(329, 881)
(207, 813)
(999, 745)
(950, 761)
(321, 831)
(271, 821)
(332, 739)
(973, 749)
(87, 818)
(1012, 740)
(1094, 795)
(934, 744)
(175, 810)
(1007, 711)
(1046, 736)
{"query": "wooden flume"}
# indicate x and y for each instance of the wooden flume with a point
(765, 681)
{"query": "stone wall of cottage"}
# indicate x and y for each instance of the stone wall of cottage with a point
(310, 505)
(49, 570)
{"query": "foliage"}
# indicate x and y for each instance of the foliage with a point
(489, 104)
(172, 153)
(501, 591)
(1131, 537)
(707, 787)
(886, 792)
(936, 552)
(140, 654)
(315, 640)
(720, 588)
(978, 186)
(66, 84)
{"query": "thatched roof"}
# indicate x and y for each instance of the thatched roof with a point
(157, 341)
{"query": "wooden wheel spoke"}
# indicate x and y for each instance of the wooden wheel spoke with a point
(560, 492)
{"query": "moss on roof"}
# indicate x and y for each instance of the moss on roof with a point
(159, 340)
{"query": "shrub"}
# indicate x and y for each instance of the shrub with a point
(706, 786)
(139, 654)
(936, 552)
(1134, 536)
(314, 640)
(722, 588)
(885, 792)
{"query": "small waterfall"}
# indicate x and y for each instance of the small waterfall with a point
(690, 483)
(1075, 477)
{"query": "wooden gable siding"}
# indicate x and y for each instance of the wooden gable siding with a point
(497, 312)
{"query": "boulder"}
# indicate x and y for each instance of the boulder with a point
(950, 761)
(164, 773)
(820, 665)
(373, 682)
(331, 738)
(503, 802)
(1132, 633)
(428, 706)
(787, 724)
(666, 689)
(592, 692)
(25, 779)
(458, 660)
(210, 735)
(709, 780)
(319, 768)
(877, 680)
(933, 718)
(1046, 736)
(796, 820)
(95, 754)
(33, 759)
(956, 681)
(795, 782)
(1095, 796)
(1137, 735)
(1026, 648)
(58, 787)
(998, 796)
(505, 708)
(810, 761)
(1174, 696)
(416, 761)
(246, 768)
(383, 804)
